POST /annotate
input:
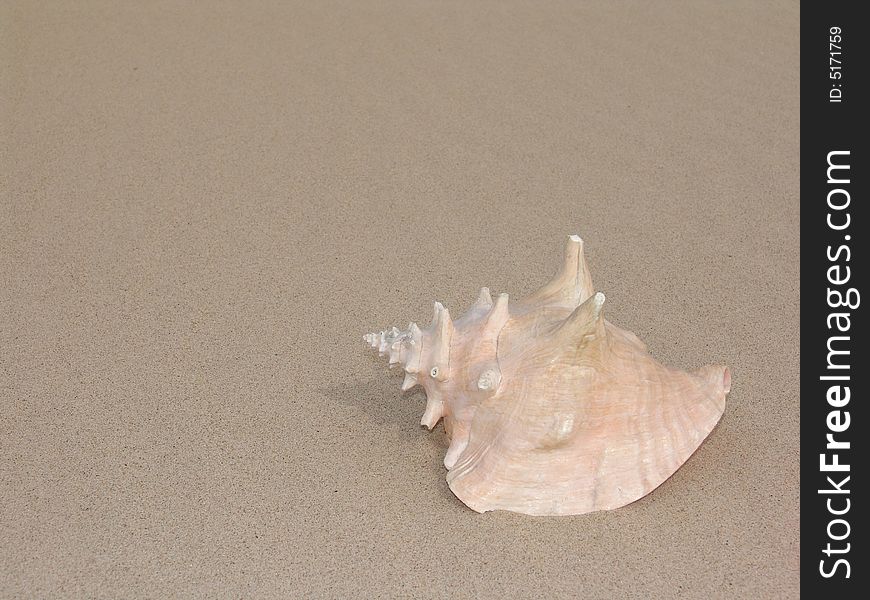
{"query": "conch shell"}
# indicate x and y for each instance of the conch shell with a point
(550, 408)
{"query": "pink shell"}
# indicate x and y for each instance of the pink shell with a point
(550, 408)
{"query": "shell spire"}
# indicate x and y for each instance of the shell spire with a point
(424, 355)
(402, 347)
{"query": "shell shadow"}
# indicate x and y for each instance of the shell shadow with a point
(388, 408)
(396, 417)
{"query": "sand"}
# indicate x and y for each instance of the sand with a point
(205, 206)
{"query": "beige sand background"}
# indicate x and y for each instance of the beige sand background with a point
(205, 205)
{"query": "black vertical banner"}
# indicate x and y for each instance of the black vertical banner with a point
(835, 368)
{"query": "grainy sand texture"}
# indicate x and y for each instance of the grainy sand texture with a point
(205, 205)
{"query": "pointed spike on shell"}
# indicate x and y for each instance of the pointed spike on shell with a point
(598, 302)
(409, 381)
(412, 360)
(576, 270)
(499, 311)
(413, 350)
(441, 331)
(572, 284)
(574, 277)
(484, 299)
(395, 352)
(434, 412)
(591, 309)
(442, 324)
(437, 308)
(586, 320)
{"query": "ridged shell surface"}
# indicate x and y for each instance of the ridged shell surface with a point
(550, 408)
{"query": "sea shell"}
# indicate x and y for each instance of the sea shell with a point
(550, 408)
